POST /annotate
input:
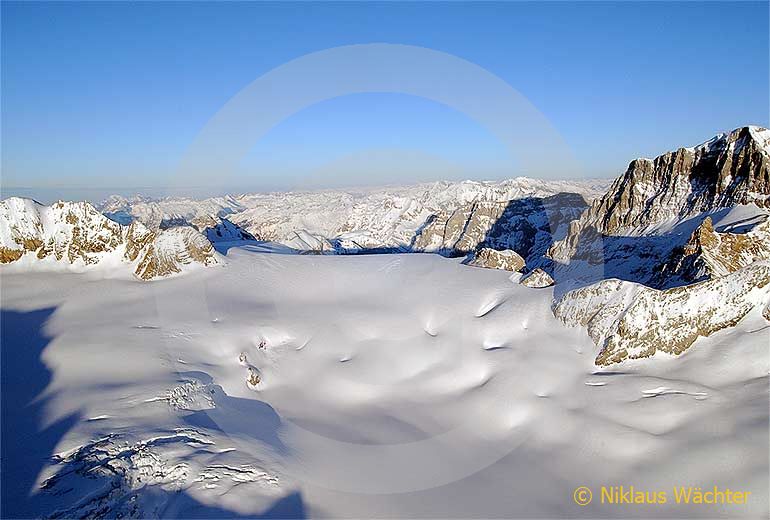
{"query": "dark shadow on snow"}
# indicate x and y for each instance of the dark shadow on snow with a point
(236, 415)
(291, 506)
(651, 260)
(28, 447)
(26, 444)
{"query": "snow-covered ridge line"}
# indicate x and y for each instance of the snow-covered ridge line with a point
(655, 229)
(653, 196)
(631, 321)
(74, 236)
(361, 218)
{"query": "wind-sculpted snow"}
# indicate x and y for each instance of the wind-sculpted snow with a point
(400, 386)
(397, 385)
(631, 321)
(75, 236)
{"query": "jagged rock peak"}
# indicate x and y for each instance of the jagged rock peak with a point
(76, 234)
(710, 254)
(65, 231)
(729, 169)
(174, 249)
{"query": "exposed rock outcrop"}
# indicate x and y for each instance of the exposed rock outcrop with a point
(528, 226)
(729, 169)
(172, 250)
(65, 231)
(630, 321)
(460, 230)
(76, 234)
(711, 254)
(656, 226)
(537, 279)
(220, 229)
(492, 259)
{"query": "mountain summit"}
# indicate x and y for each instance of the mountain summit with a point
(653, 195)
(75, 236)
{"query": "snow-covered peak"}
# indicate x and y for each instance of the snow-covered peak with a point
(736, 139)
(174, 251)
(654, 196)
(75, 236)
(371, 217)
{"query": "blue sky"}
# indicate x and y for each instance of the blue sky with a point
(109, 96)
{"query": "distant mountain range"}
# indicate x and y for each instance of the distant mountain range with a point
(74, 236)
(450, 217)
(635, 261)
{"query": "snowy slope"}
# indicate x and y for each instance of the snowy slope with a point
(400, 386)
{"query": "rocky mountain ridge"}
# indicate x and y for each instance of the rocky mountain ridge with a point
(654, 194)
(677, 249)
(447, 217)
(631, 321)
(74, 235)
(673, 240)
(710, 254)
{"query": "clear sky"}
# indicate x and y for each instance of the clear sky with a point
(109, 96)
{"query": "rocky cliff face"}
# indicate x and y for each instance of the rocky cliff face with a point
(656, 226)
(651, 195)
(631, 321)
(458, 231)
(173, 250)
(710, 254)
(220, 229)
(537, 279)
(528, 226)
(21, 229)
(76, 234)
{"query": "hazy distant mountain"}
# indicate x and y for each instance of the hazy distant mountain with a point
(447, 217)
